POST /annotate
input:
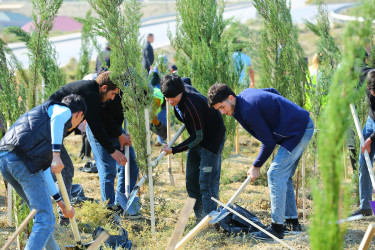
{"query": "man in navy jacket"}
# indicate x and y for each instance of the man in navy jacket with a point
(273, 120)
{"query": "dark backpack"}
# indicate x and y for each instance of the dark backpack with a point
(234, 225)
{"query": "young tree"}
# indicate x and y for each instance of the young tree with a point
(119, 24)
(282, 63)
(86, 49)
(202, 51)
(331, 198)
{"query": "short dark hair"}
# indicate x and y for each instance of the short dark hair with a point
(218, 92)
(171, 86)
(104, 79)
(75, 103)
(150, 35)
(371, 80)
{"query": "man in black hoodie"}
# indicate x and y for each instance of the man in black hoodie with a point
(205, 144)
(94, 92)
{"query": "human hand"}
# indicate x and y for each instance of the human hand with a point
(125, 139)
(254, 173)
(56, 164)
(366, 146)
(166, 150)
(67, 213)
(119, 157)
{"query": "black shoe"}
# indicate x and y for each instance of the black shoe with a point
(263, 236)
(364, 212)
(64, 221)
(292, 229)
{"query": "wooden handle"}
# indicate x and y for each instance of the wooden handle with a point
(361, 139)
(66, 199)
(252, 223)
(193, 232)
(103, 236)
(19, 229)
(181, 223)
(161, 155)
(243, 186)
(365, 244)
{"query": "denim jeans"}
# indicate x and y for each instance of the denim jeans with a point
(203, 170)
(34, 191)
(365, 185)
(67, 174)
(108, 167)
(280, 179)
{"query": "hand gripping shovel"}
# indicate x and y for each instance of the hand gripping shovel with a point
(126, 205)
(367, 157)
(73, 222)
(214, 216)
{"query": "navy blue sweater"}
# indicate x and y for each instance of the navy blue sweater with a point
(270, 118)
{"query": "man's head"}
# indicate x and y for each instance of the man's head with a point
(77, 106)
(371, 81)
(221, 98)
(172, 88)
(150, 38)
(107, 89)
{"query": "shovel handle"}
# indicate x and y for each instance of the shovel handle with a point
(170, 143)
(19, 229)
(127, 165)
(239, 191)
(66, 199)
(361, 139)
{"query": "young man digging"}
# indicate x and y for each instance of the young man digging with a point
(205, 144)
(28, 149)
(274, 120)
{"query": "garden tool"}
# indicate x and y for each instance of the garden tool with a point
(73, 222)
(127, 165)
(214, 216)
(24, 223)
(367, 157)
(252, 223)
(122, 198)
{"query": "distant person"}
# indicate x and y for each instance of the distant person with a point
(106, 56)
(148, 53)
(242, 62)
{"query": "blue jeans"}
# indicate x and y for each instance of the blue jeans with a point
(280, 179)
(34, 191)
(108, 168)
(203, 170)
(365, 185)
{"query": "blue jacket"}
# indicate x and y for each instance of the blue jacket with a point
(270, 118)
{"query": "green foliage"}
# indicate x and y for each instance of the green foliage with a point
(331, 197)
(282, 64)
(120, 26)
(202, 50)
(86, 50)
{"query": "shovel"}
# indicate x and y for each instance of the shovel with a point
(73, 222)
(127, 165)
(126, 205)
(214, 216)
(367, 157)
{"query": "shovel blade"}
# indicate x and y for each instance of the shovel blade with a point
(124, 202)
(218, 216)
(372, 203)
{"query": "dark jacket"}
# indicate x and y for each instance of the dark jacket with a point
(112, 111)
(30, 138)
(89, 90)
(148, 56)
(204, 124)
(107, 60)
(270, 118)
(370, 97)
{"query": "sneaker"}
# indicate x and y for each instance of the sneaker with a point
(133, 216)
(290, 229)
(364, 212)
(263, 236)
(64, 221)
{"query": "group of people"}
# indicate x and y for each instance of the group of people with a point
(31, 151)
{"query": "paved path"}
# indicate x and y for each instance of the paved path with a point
(69, 46)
